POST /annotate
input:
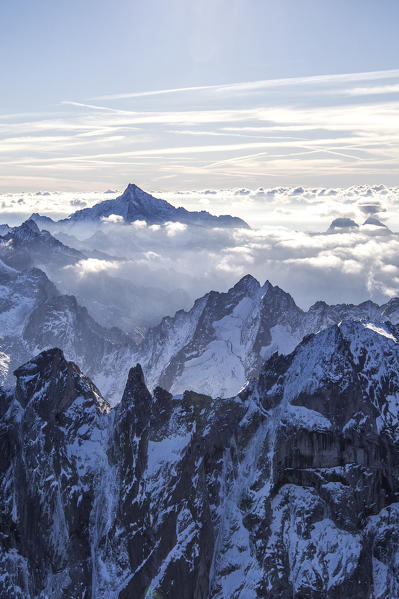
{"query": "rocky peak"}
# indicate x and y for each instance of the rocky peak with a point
(28, 230)
(342, 224)
(53, 384)
(373, 220)
(136, 397)
(135, 194)
(248, 285)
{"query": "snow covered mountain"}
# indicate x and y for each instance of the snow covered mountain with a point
(35, 316)
(136, 204)
(26, 246)
(372, 224)
(214, 348)
(224, 339)
(288, 490)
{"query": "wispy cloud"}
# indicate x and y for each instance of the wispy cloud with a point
(250, 86)
(316, 129)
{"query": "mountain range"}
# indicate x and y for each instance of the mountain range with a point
(243, 448)
(289, 489)
(136, 204)
(213, 348)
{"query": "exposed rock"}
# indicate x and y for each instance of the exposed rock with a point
(289, 489)
(136, 204)
(342, 224)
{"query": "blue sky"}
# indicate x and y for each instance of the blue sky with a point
(75, 115)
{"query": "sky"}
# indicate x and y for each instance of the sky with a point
(176, 95)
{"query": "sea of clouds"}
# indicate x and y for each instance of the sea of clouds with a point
(135, 274)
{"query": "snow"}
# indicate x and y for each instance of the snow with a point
(380, 331)
(301, 417)
(216, 368)
(320, 554)
(282, 341)
(165, 453)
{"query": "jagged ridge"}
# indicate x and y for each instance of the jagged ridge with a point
(289, 489)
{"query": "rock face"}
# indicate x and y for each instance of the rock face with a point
(288, 490)
(222, 342)
(52, 441)
(136, 204)
(26, 246)
(35, 316)
(214, 348)
(340, 225)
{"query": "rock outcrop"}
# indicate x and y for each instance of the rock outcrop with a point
(289, 489)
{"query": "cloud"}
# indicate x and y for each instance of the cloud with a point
(92, 265)
(136, 274)
(315, 130)
(78, 203)
(251, 86)
(158, 269)
(112, 218)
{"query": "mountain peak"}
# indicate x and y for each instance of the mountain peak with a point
(372, 220)
(137, 204)
(53, 384)
(132, 187)
(343, 224)
(132, 190)
(28, 228)
(247, 283)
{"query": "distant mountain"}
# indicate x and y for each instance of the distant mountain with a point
(223, 340)
(35, 316)
(214, 348)
(289, 489)
(27, 246)
(376, 224)
(112, 300)
(373, 224)
(136, 204)
(342, 224)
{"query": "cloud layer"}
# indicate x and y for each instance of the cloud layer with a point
(135, 274)
(322, 130)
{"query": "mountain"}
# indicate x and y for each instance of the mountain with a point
(214, 348)
(341, 225)
(35, 316)
(136, 204)
(372, 224)
(223, 340)
(289, 489)
(4, 229)
(112, 300)
(373, 220)
(26, 246)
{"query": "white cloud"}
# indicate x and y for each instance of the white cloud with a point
(173, 263)
(112, 218)
(321, 130)
(91, 266)
(263, 84)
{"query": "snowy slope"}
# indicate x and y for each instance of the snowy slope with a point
(136, 204)
(35, 316)
(224, 339)
(288, 490)
(26, 246)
